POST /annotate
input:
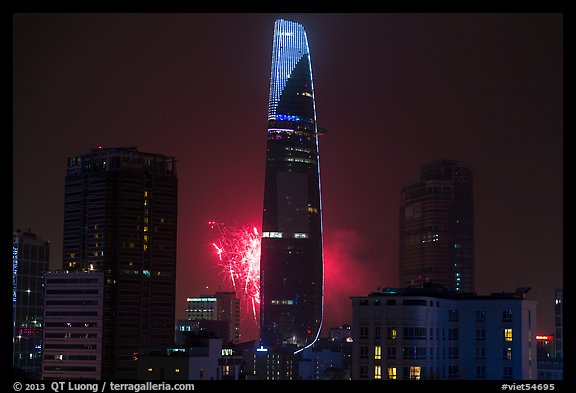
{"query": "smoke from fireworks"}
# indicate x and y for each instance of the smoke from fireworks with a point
(238, 252)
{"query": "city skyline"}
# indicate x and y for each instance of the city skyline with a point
(394, 91)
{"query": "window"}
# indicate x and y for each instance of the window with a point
(363, 351)
(507, 316)
(414, 353)
(391, 302)
(453, 334)
(480, 353)
(453, 371)
(377, 332)
(390, 352)
(453, 353)
(364, 372)
(507, 372)
(414, 333)
(452, 315)
(507, 334)
(391, 372)
(507, 353)
(480, 334)
(363, 332)
(415, 372)
(392, 333)
(480, 316)
(377, 352)
(480, 372)
(377, 372)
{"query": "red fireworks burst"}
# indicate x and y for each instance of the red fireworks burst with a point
(238, 251)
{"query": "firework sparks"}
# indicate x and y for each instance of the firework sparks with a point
(238, 251)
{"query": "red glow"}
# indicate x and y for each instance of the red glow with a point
(238, 250)
(543, 337)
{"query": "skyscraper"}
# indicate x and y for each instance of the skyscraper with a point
(291, 266)
(559, 322)
(437, 228)
(30, 258)
(120, 210)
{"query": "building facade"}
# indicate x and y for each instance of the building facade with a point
(202, 308)
(327, 359)
(559, 322)
(229, 310)
(74, 321)
(30, 259)
(291, 265)
(437, 228)
(222, 306)
(431, 333)
(202, 359)
(120, 212)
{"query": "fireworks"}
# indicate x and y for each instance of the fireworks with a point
(238, 251)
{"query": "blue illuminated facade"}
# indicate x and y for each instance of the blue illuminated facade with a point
(291, 267)
(30, 259)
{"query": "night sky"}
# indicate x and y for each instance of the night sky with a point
(393, 91)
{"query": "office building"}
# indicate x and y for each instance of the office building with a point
(222, 306)
(120, 212)
(30, 259)
(559, 322)
(437, 228)
(291, 264)
(73, 331)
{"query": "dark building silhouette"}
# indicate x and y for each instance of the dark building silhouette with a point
(30, 258)
(291, 267)
(559, 322)
(120, 216)
(437, 228)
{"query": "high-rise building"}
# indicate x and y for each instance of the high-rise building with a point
(222, 306)
(228, 306)
(559, 322)
(432, 333)
(120, 210)
(437, 228)
(202, 307)
(30, 258)
(73, 322)
(291, 265)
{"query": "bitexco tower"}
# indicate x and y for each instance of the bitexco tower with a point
(291, 266)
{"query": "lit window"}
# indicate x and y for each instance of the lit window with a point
(377, 372)
(300, 236)
(149, 370)
(377, 352)
(272, 234)
(391, 372)
(392, 333)
(415, 372)
(145, 228)
(177, 370)
(507, 334)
